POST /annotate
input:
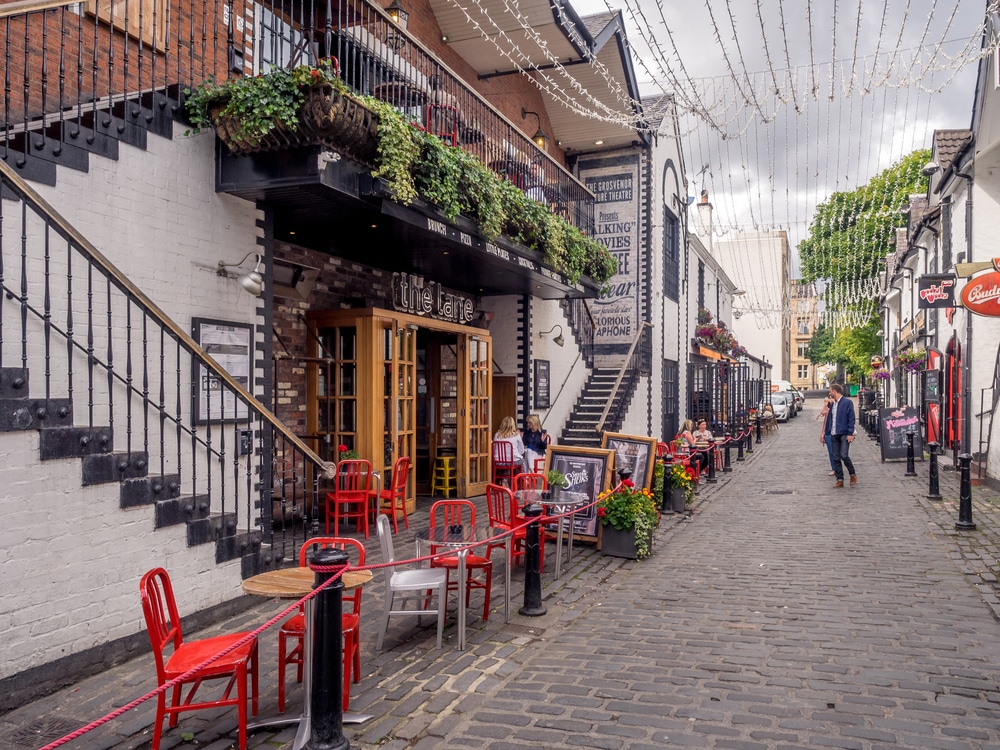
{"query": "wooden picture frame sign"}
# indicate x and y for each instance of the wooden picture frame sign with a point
(635, 451)
(588, 471)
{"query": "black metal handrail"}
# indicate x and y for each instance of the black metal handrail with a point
(96, 338)
(67, 75)
(638, 354)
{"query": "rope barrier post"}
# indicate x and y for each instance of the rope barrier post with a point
(965, 522)
(326, 715)
(911, 470)
(739, 447)
(726, 465)
(748, 436)
(533, 606)
(933, 489)
(759, 441)
(711, 463)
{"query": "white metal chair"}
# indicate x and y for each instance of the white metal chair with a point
(402, 586)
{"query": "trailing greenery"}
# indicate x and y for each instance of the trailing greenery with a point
(260, 103)
(412, 163)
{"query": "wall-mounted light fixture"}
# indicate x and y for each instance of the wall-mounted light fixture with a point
(930, 168)
(558, 340)
(399, 17)
(253, 282)
(541, 140)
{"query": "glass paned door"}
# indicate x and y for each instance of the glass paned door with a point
(399, 364)
(480, 393)
(336, 401)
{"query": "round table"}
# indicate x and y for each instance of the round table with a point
(294, 583)
(462, 538)
(566, 502)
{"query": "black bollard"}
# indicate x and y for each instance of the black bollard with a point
(749, 439)
(533, 606)
(910, 469)
(739, 447)
(325, 633)
(711, 463)
(933, 489)
(726, 465)
(964, 522)
(759, 441)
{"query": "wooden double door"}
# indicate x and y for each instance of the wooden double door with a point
(391, 384)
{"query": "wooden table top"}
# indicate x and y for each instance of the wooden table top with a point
(294, 583)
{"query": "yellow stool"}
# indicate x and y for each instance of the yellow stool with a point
(444, 477)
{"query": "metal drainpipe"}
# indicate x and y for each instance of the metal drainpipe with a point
(967, 353)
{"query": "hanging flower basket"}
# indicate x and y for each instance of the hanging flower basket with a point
(328, 117)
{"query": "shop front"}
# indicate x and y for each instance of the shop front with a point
(396, 384)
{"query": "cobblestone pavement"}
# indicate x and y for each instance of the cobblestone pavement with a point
(781, 614)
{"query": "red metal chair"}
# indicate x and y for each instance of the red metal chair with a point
(504, 516)
(504, 468)
(164, 626)
(392, 500)
(456, 513)
(294, 628)
(351, 498)
(531, 481)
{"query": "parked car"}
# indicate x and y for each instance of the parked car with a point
(783, 405)
(800, 399)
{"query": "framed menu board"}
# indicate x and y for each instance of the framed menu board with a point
(231, 345)
(636, 452)
(894, 423)
(588, 471)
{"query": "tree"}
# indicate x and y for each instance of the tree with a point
(853, 232)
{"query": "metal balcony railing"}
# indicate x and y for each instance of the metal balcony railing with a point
(73, 72)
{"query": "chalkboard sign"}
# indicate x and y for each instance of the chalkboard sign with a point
(588, 471)
(541, 384)
(893, 425)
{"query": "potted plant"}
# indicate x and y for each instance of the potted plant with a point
(911, 361)
(557, 481)
(346, 454)
(681, 487)
(628, 517)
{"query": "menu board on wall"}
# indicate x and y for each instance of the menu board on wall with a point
(229, 344)
(616, 187)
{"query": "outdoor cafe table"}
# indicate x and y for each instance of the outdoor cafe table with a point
(567, 502)
(294, 583)
(457, 538)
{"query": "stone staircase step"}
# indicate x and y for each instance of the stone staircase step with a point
(74, 442)
(173, 511)
(32, 414)
(41, 145)
(30, 168)
(103, 468)
(87, 139)
(141, 491)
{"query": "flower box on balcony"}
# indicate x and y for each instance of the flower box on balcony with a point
(328, 117)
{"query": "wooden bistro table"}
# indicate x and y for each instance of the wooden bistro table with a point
(457, 538)
(294, 583)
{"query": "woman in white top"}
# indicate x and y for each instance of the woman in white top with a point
(508, 433)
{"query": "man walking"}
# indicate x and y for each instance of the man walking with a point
(840, 428)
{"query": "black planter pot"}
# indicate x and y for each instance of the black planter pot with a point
(677, 499)
(615, 543)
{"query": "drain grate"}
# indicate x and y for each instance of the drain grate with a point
(44, 731)
(780, 492)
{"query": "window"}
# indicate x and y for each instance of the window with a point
(803, 327)
(803, 372)
(802, 348)
(671, 256)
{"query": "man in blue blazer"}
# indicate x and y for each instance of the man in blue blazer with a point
(840, 428)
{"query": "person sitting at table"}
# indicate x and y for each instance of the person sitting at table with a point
(535, 440)
(535, 184)
(508, 433)
(444, 117)
(690, 437)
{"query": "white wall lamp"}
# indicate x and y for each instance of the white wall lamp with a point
(253, 282)
(558, 340)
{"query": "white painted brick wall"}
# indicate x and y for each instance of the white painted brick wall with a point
(70, 558)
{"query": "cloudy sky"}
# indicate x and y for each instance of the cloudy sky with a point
(791, 100)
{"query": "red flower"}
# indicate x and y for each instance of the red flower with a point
(628, 483)
(601, 512)
(341, 448)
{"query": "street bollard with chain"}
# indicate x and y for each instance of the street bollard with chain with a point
(533, 606)
(739, 447)
(910, 469)
(711, 462)
(726, 465)
(326, 633)
(965, 522)
(933, 489)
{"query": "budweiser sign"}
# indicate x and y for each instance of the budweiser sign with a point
(981, 295)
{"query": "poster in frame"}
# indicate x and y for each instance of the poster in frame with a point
(588, 471)
(636, 452)
(231, 345)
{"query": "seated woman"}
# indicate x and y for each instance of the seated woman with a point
(690, 438)
(508, 433)
(536, 440)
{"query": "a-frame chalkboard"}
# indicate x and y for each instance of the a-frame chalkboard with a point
(894, 423)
